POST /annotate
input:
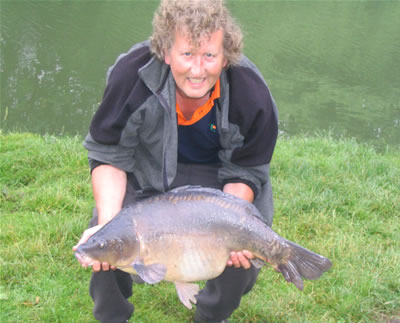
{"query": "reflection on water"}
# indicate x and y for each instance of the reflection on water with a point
(330, 65)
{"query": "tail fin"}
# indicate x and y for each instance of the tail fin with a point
(303, 263)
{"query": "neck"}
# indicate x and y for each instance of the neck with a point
(189, 105)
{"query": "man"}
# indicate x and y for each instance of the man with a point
(185, 108)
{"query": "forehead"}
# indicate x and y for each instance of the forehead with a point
(213, 40)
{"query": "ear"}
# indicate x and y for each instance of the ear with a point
(224, 62)
(167, 57)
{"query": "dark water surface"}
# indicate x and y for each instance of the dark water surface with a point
(331, 65)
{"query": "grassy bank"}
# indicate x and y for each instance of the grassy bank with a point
(336, 197)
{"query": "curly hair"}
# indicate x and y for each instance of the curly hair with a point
(196, 19)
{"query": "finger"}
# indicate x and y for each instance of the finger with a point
(105, 266)
(96, 267)
(85, 237)
(87, 234)
(113, 268)
(235, 259)
(248, 254)
(243, 261)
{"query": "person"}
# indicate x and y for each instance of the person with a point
(185, 107)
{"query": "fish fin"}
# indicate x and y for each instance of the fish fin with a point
(137, 279)
(187, 293)
(151, 274)
(289, 271)
(303, 263)
(187, 187)
(257, 262)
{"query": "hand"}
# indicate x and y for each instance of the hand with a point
(96, 266)
(240, 259)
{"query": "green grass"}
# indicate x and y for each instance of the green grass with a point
(334, 196)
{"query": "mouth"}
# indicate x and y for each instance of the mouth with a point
(195, 80)
(84, 260)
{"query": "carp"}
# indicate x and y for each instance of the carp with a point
(187, 234)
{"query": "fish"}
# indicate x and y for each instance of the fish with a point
(187, 234)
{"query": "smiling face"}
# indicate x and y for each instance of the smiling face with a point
(196, 69)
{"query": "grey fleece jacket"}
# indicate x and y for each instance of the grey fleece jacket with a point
(135, 127)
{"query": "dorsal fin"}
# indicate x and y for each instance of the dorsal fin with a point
(213, 192)
(196, 189)
(191, 188)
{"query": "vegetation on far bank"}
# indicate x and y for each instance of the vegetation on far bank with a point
(337, 197)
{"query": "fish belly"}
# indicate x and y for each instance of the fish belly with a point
(188, 258)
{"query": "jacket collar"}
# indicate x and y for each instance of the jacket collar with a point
(224, 100)
(154, 74)
(158, 78)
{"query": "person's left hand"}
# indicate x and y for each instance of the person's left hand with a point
(240, 259)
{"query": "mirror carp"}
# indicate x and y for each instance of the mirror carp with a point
(187, 234)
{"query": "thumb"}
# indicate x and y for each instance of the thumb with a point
(86, 235)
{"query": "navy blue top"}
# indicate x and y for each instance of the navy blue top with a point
(199, 142)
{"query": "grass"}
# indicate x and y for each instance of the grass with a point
(334, 196)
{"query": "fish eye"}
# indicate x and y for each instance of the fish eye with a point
(101, 245)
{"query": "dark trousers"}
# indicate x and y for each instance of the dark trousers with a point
(110, 290)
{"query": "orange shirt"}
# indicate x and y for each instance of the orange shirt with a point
(200, 111)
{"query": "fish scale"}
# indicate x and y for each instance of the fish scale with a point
(187, 234)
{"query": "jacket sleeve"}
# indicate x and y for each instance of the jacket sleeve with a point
(113, 133)
(253, 124)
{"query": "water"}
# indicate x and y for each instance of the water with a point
(331, 65)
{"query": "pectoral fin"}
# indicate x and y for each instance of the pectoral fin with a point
(151, 274)
(187, 293)
(257, 262)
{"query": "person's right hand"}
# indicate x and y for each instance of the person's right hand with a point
(96, 266)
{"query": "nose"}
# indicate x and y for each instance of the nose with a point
(197, 66)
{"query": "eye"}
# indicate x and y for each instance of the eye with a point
(209, 55)
(187, 54)
(102, 245)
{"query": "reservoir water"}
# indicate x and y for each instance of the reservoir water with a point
(331, 65)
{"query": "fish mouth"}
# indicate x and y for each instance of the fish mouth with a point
(84, 259)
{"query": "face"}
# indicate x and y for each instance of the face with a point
(196, 70)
